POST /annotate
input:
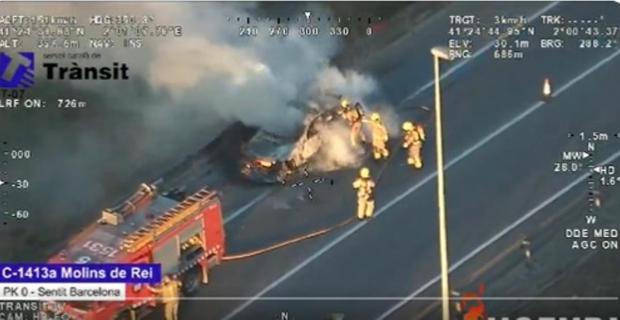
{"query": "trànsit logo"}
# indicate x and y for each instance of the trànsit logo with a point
(16, 70)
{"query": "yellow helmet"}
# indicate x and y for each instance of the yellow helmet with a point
(375, 116)
(407, 126)
(365, 172)
(344, 103)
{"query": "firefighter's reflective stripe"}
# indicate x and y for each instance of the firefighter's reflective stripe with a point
(364, 187)
(420, 131)
(379, 140)
(413, 136)
(171, 290)
(170, 293)
(171, 310)
(413, 143)
(214, 251)
(365, 197)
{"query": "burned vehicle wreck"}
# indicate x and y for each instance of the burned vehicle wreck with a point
(272, 158)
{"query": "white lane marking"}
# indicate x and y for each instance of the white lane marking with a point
(241, 210)
(475, 55)
(496, 237)
(426, 86)
(415, 187)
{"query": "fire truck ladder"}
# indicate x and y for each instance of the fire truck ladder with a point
(161, 224)
(116, 215)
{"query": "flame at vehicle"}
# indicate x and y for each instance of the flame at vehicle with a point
(329, 148)
(322, 144)
(264, 163)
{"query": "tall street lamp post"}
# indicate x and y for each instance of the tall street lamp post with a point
(441, 53)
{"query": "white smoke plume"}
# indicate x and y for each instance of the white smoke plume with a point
(350, 84)
(181, 93)
(213, 73)
(336, 149)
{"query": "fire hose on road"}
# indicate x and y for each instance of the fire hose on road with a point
(282, 244)
(314, 234)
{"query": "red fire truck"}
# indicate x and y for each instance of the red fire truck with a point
(185, 235)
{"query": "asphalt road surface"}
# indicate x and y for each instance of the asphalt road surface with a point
(500, 144)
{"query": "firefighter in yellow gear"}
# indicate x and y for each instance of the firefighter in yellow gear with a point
(413, 137)
(345, 109)
(379, 137)
(351, 114)
(365, 194)
(170, 291)
(354, 116)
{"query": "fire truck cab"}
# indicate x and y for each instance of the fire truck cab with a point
(183, 236)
